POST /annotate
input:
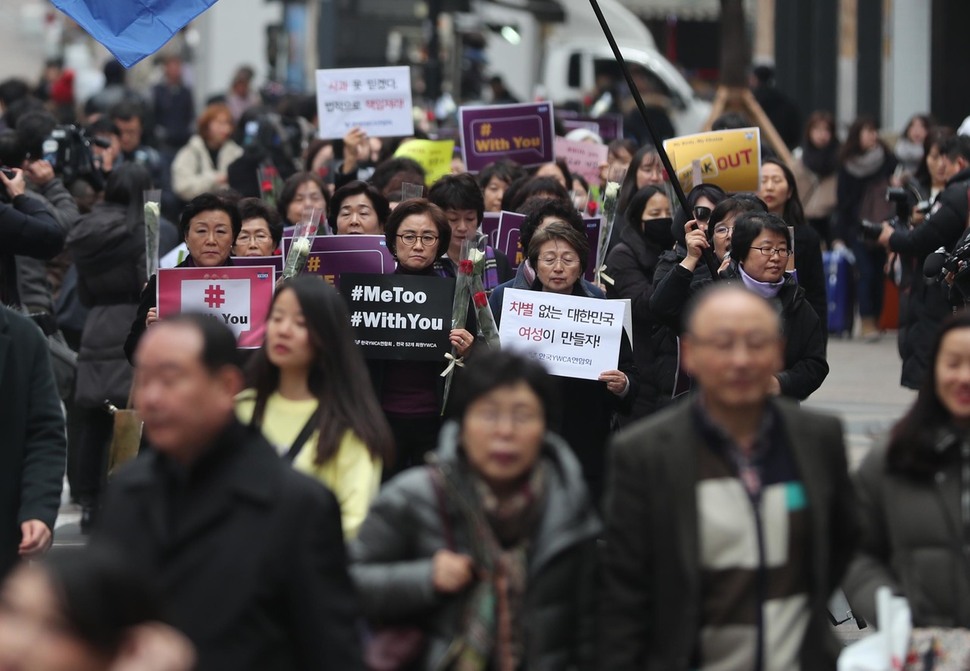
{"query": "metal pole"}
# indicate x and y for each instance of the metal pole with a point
(708, 256)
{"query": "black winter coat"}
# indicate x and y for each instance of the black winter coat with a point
(34, 442)
(248, 553)
(632, 266)
(27, 228)
(109, 253)
(923, 302)
(805, 365)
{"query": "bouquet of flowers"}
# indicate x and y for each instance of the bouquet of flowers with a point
(610, 196)
(299, 247)
(152, 199)
(470, 288)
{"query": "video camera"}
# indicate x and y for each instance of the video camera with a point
(905, 202)
(68, 150)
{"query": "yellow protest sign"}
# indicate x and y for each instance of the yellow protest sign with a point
(729, 158)
(432, 155)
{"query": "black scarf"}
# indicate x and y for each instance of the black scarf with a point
(823, 162)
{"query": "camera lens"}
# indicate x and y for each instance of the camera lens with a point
(702, 213)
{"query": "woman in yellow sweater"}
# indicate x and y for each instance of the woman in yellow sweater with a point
(311, 396)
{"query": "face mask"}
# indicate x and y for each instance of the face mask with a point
(658, 231)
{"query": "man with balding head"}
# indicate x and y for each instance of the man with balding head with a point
(247, 552)
(729, 517)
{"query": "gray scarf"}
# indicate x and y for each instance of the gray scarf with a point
(866, 165)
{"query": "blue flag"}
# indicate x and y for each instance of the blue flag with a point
(132, 29)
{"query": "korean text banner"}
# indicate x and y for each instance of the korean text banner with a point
(523, 133)
(572, 336)
(238, 297)
(132, 30)
(332, 255)
(729, 158)
(582, 158)
(377, 100)
(400, 316)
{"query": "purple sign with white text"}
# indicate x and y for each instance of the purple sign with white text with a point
(522, 133)
(332, 255)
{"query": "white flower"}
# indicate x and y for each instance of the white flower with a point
(612, 189)
(152, 209)
(301, 246)
(475, 255)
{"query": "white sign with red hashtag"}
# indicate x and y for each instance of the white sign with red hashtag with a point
(238, 297)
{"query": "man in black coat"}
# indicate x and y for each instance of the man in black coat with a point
(248, 552)
(34, 442)
(729, 519)
(926, 304)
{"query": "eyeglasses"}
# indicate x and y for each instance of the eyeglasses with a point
(722, 231)
(246, 238)
(410, 238)
(567, 260)
(771, 251)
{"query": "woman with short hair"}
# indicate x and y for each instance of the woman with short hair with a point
(202, 164)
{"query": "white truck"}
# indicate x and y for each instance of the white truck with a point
(560, 61)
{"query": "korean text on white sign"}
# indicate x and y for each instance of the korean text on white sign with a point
(572, 336)
(377, 100)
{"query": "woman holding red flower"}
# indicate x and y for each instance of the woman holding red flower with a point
(411, 392)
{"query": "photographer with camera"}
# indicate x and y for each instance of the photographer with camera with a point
(925, 302)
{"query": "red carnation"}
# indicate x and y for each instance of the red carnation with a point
(480, 299)
(466, 267)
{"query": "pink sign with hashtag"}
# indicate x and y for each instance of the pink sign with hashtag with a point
(238, 297)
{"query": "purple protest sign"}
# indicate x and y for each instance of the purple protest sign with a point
(490, 227)
(608, 126)
(332, 255)
(507, 237)
(523, 133)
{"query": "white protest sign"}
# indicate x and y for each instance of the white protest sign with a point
(572, 336)
(377, 100)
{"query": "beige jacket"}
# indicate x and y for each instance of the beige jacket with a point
(192, 170)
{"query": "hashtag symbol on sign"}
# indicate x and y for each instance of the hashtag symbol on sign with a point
(357, 292)
(215, 296)
(355, 319)
(486, 129)
(313, 265)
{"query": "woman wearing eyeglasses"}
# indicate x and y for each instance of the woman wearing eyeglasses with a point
(760, 247)
(411, 392)
(558, 253)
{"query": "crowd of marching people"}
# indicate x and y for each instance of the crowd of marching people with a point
(302, 506)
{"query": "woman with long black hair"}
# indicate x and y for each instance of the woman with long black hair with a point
(310, 396)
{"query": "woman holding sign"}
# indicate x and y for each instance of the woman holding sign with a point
(306, 398)
(559, 255)
(411, 392)
(208, 225)
(491, 551)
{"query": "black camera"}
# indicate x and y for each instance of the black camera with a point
(68, 150)
(904, 201)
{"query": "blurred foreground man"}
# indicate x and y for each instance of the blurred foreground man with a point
(729, 519)
(248, 552)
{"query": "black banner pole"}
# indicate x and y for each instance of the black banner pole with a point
(708, 256)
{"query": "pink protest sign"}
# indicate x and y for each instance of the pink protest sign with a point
(582, 158)
(238, 297)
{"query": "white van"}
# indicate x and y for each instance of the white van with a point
(560, 61)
